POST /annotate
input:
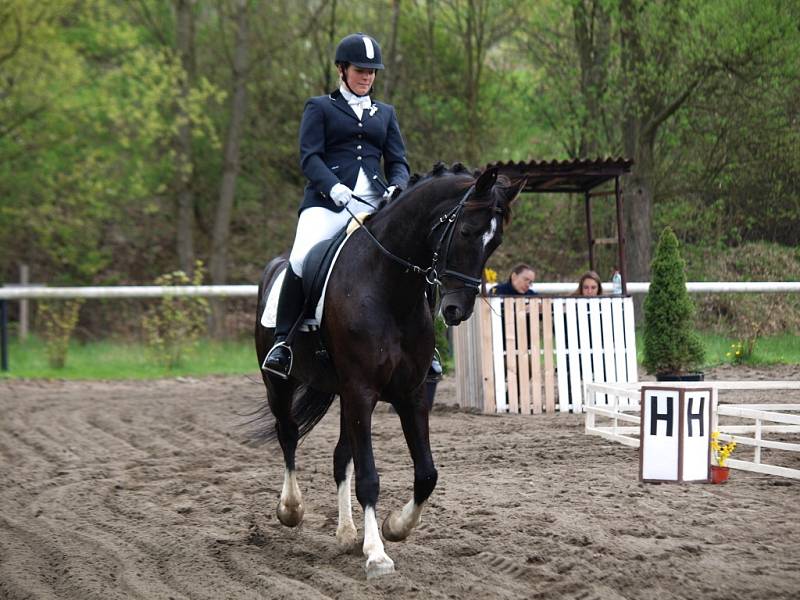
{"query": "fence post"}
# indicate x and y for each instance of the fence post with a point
(3, 336)
(24, 314)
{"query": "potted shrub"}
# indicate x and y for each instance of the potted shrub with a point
(672, 350)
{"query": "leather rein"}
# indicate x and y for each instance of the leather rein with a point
(436, 272)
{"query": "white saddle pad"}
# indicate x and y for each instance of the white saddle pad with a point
(269, 316)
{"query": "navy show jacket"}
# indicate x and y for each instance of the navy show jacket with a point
(334, 144)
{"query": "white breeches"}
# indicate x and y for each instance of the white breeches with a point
(317, 224)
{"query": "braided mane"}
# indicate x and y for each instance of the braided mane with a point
(440, 170)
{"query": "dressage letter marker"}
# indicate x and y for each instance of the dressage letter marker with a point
(675, 434)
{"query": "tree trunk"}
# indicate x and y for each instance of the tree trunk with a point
(471, 82)
(184, 168)
(219, 256)
(639, 212)
(326, 69)
(645, 112)
(592, 29)
(638, 189)
(390, 78)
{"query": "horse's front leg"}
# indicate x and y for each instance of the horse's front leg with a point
(413, 413)
(357, 407)
(346, 532)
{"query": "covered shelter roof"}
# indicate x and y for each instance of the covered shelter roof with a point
(578, 176)
(565, 176)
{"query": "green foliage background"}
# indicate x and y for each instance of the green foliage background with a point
(90, 111)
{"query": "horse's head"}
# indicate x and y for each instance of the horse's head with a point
(470, 233)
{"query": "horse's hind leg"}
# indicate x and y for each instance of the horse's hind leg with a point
(280, 393)
(346, 532)
(413, 413)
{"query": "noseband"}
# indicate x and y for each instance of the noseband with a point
(436, 272)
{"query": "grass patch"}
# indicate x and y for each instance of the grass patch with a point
(115, 359)
(778, 349)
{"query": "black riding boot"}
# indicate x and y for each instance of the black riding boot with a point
(290, 305)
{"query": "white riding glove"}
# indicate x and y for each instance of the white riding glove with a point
(341, 194)
(389, 193)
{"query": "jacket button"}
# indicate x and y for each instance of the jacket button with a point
(358, 147)
(360, 124)
(358, 158)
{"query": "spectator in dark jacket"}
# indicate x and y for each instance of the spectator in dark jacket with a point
(519, 283)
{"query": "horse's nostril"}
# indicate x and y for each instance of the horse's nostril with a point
(452, 313)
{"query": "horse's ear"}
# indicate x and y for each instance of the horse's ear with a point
(511, 193)
(514, 190)
(486, 181)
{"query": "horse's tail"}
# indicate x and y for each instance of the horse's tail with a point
(309, 405)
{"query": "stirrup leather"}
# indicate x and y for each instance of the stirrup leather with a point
(275, 369)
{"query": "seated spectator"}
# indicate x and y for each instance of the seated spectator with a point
(519, 283)
(589, 285)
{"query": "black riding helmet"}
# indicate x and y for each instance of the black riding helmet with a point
(359, 50)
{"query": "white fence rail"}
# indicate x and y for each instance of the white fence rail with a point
(127, 291)
(155, 291)
(622, 404)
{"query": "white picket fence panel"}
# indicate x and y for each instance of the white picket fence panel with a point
(528, 355)
(625, 407)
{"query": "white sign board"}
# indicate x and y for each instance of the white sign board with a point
(675, 434)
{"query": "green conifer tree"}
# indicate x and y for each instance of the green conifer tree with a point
(670, 343)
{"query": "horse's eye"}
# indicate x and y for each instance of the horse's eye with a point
(473, 228)
(469, 231)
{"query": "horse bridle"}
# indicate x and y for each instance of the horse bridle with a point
(432, 274)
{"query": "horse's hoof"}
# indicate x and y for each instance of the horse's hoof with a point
(392, 531)
(290, 515)
(379, 565)
(347, 536)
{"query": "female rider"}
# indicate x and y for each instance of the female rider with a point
(343, 137)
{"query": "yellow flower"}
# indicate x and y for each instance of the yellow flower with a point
(720, 452)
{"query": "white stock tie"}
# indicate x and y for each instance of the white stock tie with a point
(358, 104)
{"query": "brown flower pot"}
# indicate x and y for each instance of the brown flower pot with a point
(719, 474)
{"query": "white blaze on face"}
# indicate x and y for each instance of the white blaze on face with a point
(489, 235)
(369, 47)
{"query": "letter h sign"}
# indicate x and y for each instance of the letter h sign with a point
(675, 436)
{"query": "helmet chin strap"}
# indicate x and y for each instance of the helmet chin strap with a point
(347, 85)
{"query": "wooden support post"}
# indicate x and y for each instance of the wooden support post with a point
(487, 356)
(589, 234)
(547, 344)
(536, 358)
(621, 237)
(523, 356)
(3, 336)
(24, 314)
(509, 312)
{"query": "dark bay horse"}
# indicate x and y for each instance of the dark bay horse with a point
(378, 333)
